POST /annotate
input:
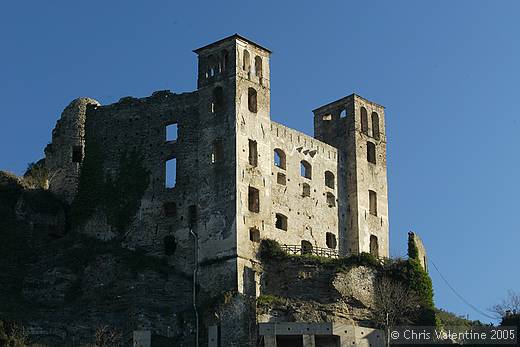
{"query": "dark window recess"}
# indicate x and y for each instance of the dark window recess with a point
(252, 100)
(331, 199)
(245, 61)
(253, 199)
(371, 152)
(258, 66)
(372, 198)
(217, 152)
(253, 153)
(170, 245)
(375, 126)
(306, 190)
(170, 209)
(306, 247)
(329, 179)
(192, 215)
(281, 179)
(364, 121)
(77, 154)
(374, 246)
(330, 240)
(217, 102)
(254, 234)
(281, 221)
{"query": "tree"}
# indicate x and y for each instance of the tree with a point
(107, 337)
(395, 303)
(509, 305)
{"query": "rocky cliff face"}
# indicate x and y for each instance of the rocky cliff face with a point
(61, 285)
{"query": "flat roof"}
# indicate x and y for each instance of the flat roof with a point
(234, 36)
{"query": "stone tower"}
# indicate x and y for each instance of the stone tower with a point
(356, 126)
(233, 86)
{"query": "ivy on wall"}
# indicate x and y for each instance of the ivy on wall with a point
(119, 196)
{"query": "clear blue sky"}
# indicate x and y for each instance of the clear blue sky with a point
(447, 72)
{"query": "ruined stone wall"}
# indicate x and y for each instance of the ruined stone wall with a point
(309, 217)
(64, 154)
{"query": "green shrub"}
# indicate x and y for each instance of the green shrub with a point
(270, 249)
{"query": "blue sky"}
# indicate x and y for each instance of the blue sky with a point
(447, 72)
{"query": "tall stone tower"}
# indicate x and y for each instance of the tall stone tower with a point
(233, 87)
(356, 127)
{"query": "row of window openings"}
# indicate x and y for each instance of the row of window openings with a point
(364, 122)
(330, 240)
(246, 64)
(218, 104)
(215, 64)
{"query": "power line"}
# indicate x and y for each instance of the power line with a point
(476, 309)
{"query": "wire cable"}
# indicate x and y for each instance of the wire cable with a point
(476, 309)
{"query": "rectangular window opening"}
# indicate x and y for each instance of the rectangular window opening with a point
(372, 197)
(253, 153)
(171, 173)
(253, 200)
(171, 132)
(77, 154)
(217, 152)
(281, 222)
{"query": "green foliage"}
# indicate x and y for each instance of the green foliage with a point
(123, 193)
(270, 300)
(37, 175)
(10, 190)
(413, 252)
(511, 320)
(12, 335)
(90, 186)
(270, 249)
(42, 201)
(119, 196)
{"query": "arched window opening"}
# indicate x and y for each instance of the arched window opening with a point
(306, 190)
(254, 235)
(305, 169)
(251, 100)
(281, 179)
(330, 240)
(374, 246)
(225, 59)
(306, 247)
(331, 199)
(329, 179)
(171, 173)
(375, 125)
(371, 152)
(343, 113)
(245, 61)
(217, 102)
(253, 199)
(280, 222)
(372, 199)
(364, 121)
(210, 66)
(258, 66)
(279, 158)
